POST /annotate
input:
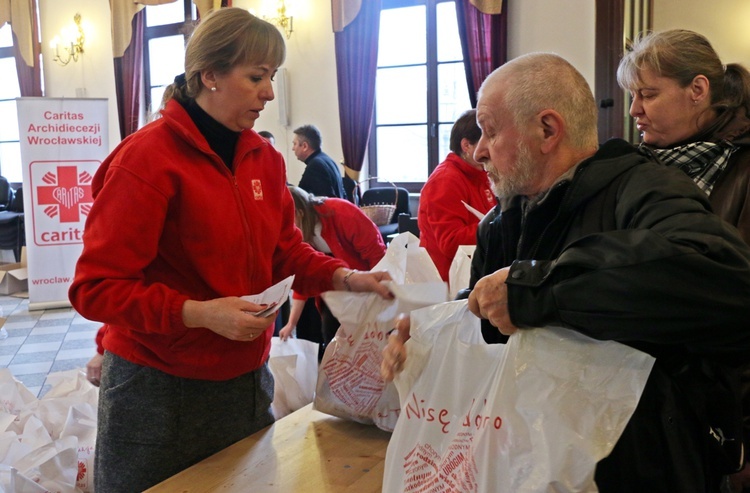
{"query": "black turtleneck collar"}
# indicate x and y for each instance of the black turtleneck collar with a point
(221, 139)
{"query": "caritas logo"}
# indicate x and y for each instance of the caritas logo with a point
(62, 199)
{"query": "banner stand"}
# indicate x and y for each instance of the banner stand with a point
(63, 142)
(50, 305)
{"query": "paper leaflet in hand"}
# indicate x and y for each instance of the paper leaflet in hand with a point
(349, 382)
(273, 297)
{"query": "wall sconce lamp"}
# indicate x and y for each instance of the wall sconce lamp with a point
(281, 20)
(68, 45)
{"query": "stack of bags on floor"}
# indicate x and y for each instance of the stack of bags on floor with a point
(47, 444)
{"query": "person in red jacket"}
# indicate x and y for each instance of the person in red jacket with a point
(338, 228)
(191, 213)
(455, 197)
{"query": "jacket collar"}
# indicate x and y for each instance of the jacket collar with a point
(464, 167)
(177, 118)
(613, 158)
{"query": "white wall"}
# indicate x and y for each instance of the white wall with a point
(94, 70)
(726, 23)
(565, 28)
(311, 74)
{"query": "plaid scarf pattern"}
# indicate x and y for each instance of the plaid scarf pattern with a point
(701, 161)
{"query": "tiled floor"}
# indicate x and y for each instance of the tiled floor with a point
(43, 342)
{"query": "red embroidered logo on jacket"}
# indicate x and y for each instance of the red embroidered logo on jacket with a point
(488, 195)
(257, 190)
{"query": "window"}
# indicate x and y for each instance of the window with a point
(10, 146)
(167, 28)
(420, 89)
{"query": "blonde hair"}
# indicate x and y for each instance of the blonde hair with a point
(681, 55)
(529, 92)
(304, 205)
(224, 39)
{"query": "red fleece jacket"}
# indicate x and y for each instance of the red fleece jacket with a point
(444, 222)
(170, 223)
(350, 234)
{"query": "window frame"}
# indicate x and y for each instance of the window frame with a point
(432, 94)
(183, 28)
(9, 52)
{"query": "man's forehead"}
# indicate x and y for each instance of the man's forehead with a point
(488, 103)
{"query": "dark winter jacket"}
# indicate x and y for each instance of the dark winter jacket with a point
(322, 177)
(628, 250)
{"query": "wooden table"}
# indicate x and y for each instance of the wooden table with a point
(306, 451)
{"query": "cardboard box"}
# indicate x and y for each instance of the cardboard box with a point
(14, 277)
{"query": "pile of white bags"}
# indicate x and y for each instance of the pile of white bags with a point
(47, 444)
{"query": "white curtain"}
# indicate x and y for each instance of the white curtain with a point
(124, 10)
(344, 12)
(19, 13)
(488, 6)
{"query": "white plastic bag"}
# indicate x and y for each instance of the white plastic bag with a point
(460, 270)
(14, 396)
(349, 382)
(48, 444)
(294, 366)
(530, 416)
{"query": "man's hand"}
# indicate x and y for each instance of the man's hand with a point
(489, 300)
(394, 353)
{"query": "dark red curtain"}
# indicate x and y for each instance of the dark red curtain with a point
(484, 41)
(356, 65)
(30, 78)
(128, 74)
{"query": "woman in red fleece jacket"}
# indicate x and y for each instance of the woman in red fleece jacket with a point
(338, 228)
(456, 185)
(190, 213)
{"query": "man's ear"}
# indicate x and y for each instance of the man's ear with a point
(552, 127)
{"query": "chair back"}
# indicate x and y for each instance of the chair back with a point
(407, 223)
(6, 194)
(385, 195)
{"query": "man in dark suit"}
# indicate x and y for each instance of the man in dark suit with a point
(321, 177)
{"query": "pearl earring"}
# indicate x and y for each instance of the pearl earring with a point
(213, 89)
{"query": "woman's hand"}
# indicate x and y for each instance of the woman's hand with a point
(94, 369)
(230, 317)
(286, 332)
(362, 282)
(394, 353)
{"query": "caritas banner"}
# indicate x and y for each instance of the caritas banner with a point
(63, 142)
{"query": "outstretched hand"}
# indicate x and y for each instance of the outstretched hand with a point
(394, 353)
(362, 282)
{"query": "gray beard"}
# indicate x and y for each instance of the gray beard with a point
(517, 181)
